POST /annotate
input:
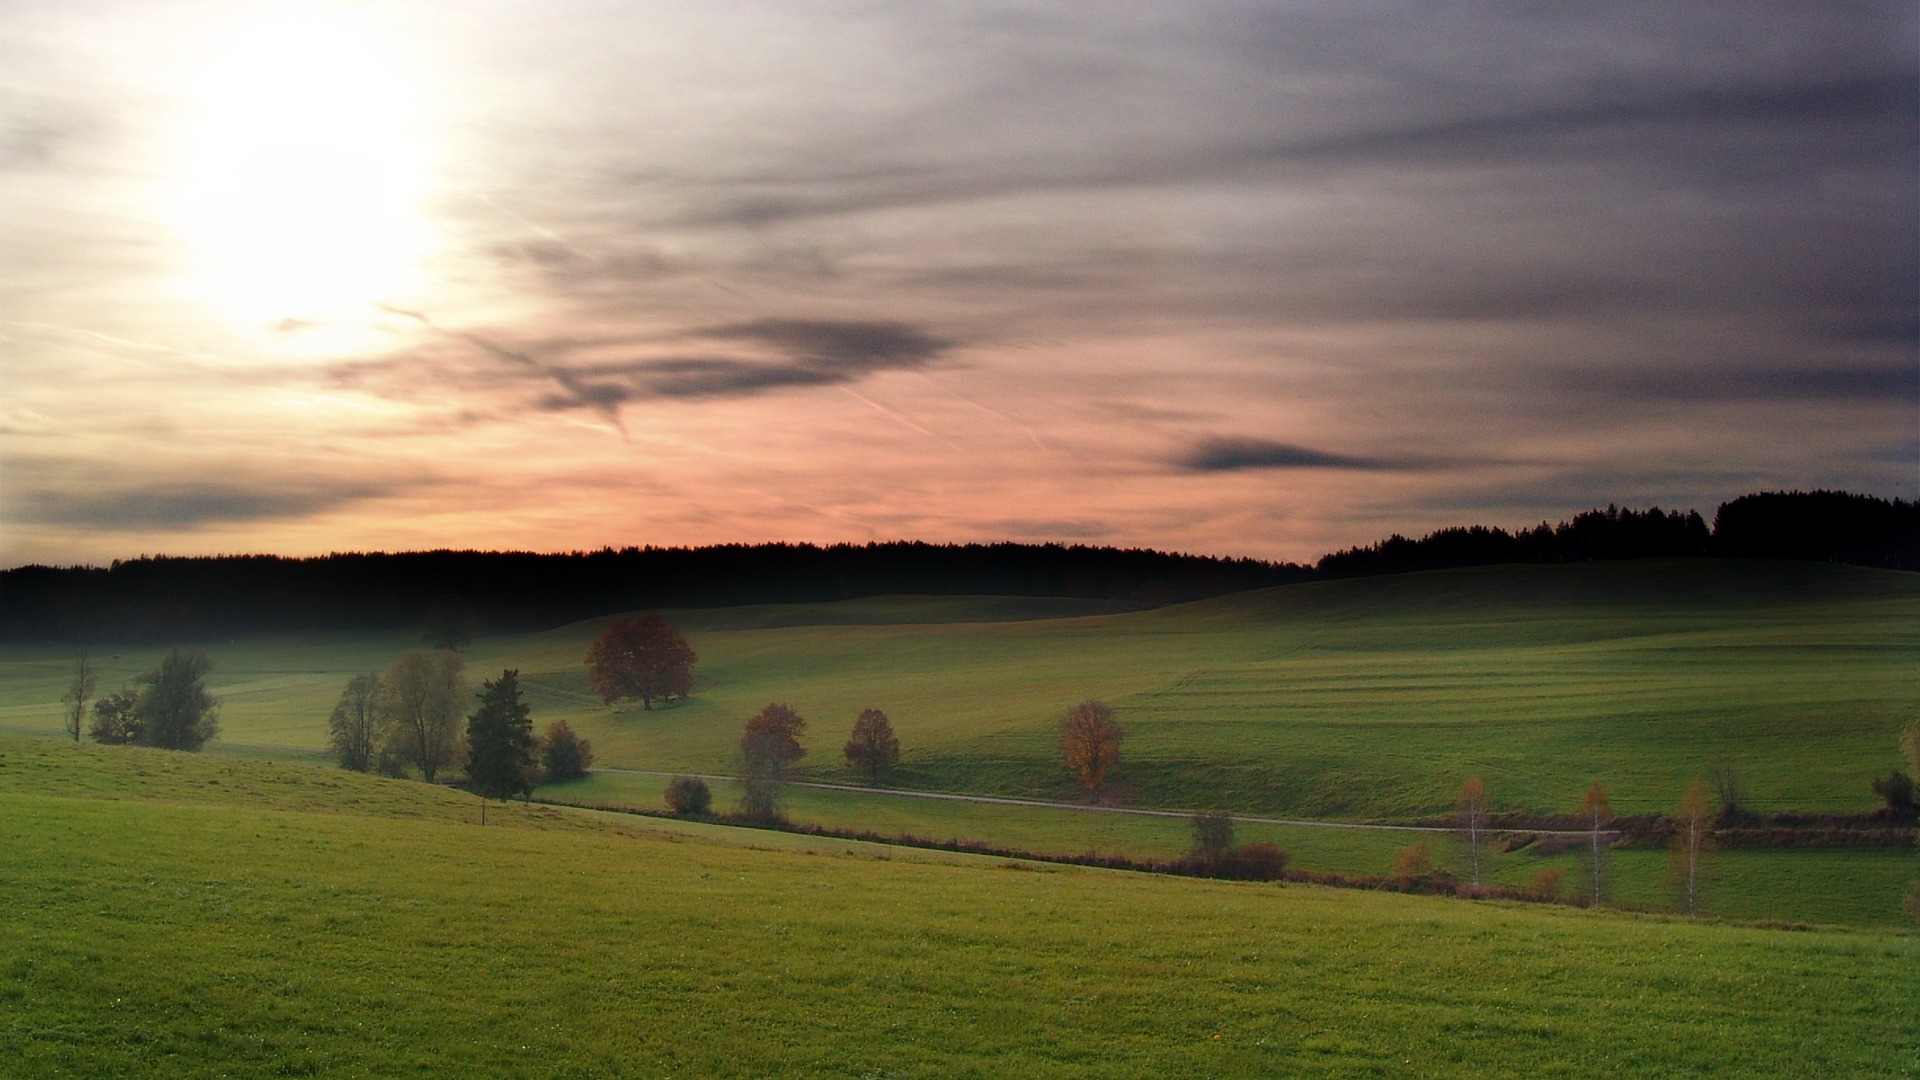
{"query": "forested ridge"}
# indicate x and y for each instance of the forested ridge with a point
(161, 598)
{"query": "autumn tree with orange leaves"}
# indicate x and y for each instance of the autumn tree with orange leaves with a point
(1472, 821)
(1692, 839)
(1598, 812)
(1090, 741)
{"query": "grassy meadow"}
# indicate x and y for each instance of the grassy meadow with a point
(1360, 700)
(190, 915)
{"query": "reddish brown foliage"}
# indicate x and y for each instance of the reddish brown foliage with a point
(1090, 741)
(641, 659)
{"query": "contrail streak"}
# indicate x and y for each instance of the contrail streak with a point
(991, 411)
(894, 413)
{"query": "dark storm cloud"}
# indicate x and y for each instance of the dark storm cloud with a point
(187, 505)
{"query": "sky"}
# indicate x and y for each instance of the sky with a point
(1250, 279)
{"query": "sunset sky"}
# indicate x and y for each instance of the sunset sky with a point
(1230, 278)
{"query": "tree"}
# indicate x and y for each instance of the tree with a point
(502, 755)
(450, 623)
(565, 755)
(1471, 820)
(1212, 838)
(1090, 742)
(174, 710)
(873, 746)
(1595, 808)
(1897, 789)
(420, 698)
(115, 721)
(769, 744)
(688, 796)
(353, 731)
(1729, 786)
(642, 659)
(1692, 839)
(79, 689)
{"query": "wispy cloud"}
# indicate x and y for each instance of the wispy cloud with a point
(769, 355)
(1233, 455)
(1746, 382)
(186, 505)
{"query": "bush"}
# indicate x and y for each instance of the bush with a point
(1413, 863)
(566, 756)
(1255, 861)
(1546, 884)
(688, 796)
(116, 721)
(1897, 789)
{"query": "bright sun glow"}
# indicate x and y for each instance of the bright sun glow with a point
(303, 174)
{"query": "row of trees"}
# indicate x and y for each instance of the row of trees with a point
(410, 716)
(1692, 838)
(770, 746)
(167, 707)
(165, 598)
(171, 598)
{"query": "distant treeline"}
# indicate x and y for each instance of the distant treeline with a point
(1824, 526)
(167, 599)
(174, 599)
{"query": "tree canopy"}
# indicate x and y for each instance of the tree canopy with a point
(353, 731)
(1090, 742)
(174, 710)
(873, 745)
(501, 750)
(565, 755)
(770, 742)
(640, 659)
(421, 695)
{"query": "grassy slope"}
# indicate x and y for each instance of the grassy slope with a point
(1853, 887)
(172, 915)
(1369, 698)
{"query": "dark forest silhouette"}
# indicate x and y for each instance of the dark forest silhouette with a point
(175, 599)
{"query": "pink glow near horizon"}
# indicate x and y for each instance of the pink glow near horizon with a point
(317, 276)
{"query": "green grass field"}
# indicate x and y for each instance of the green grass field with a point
(1364, 699)
(1854, 887)
(184, 915)
(1368, 699)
